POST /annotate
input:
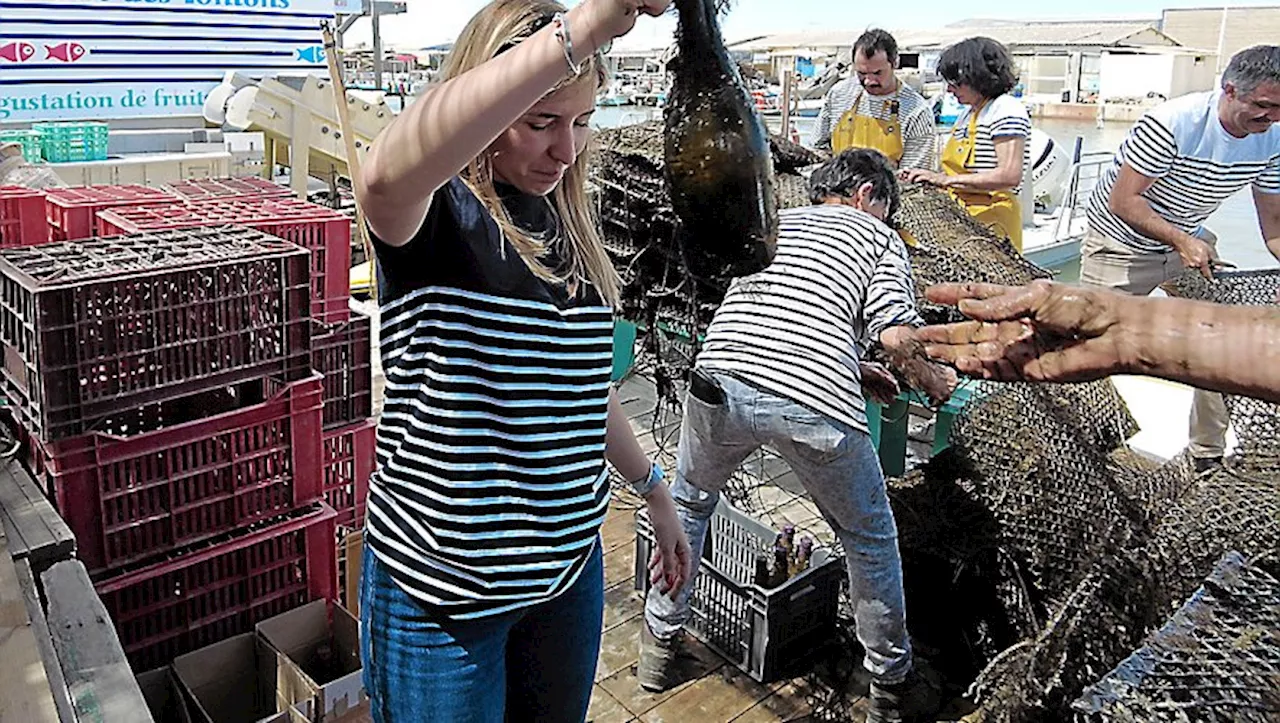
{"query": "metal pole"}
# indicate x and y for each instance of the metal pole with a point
(377, 44)
(787, 80)
(1222, 36)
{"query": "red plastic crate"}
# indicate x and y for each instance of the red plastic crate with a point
(213, 591)
(128, 498)
(322, 231)
(103, 327)
(349, 461)
(71, 212)
(22, 220)
(204, 189)
(343, 354)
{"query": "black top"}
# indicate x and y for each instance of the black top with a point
(491, 483)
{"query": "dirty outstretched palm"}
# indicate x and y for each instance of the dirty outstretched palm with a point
(718, 163)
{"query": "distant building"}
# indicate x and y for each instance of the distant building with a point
(1058, 61)
(1223, 30)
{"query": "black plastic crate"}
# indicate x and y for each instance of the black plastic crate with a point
(768, 633)
(100, 327)
(343, 353)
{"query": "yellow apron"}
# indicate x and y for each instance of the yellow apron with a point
(997, 210)
(860, 131)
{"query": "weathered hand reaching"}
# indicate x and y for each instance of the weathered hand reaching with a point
(907, 356)
(1196, 254)
(1040, 332)
(878, 383)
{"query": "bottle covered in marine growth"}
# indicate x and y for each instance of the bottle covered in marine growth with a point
(717, 158)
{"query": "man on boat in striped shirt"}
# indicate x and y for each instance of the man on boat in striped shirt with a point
(1182, 159)
(780, 367)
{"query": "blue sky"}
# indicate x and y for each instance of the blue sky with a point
(429, 22)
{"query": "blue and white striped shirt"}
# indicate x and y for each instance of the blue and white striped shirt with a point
(797, 329)
(491, 483)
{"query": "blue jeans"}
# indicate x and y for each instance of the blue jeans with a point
(838, 466)
(533, 664)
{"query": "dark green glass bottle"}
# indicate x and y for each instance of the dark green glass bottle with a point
(719, 167)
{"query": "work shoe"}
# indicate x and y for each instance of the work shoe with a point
(656, 669)
(1207, 464)
(912, 701)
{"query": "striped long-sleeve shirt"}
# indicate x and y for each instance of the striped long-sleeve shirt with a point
(840, 277)
(491, 483)
(919, 135)
(1196, 165)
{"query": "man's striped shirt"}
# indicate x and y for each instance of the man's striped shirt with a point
(840, 278)
(1196, 165)
(919, 134)
(491, 484)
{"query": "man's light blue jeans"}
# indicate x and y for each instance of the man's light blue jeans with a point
(838, 466)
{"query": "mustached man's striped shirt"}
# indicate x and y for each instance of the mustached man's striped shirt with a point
(797, 329)
(1196, 163)
(491, 483)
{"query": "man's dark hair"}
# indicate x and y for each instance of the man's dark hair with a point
(1252, 67)
(842, 176)
(980, 63)
(875, 41)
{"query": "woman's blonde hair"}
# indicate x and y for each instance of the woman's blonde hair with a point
(497, 27)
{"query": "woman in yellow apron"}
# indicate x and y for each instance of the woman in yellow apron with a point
(983, 159)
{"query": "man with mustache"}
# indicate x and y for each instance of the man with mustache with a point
(875, 110)
(1182, 159)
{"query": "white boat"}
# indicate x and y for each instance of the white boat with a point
(1061, 185)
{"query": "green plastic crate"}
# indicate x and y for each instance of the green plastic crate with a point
(624, 348)
(72, 142)
(29, 140)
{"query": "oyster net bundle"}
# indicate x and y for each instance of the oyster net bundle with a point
(951, 246)
(642, 235)
(1065, 546)
(1179, 675)
(1256, 423)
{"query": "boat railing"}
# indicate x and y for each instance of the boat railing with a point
(1086, 171)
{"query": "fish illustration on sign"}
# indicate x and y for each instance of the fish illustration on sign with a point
(18, 52)
(313, 54)
(66, 52)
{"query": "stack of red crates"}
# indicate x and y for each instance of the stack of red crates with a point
(341, 337)
(22, 217)
(166, 389)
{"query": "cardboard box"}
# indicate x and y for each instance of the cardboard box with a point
(164, 700)
(230, 682)
(318, 660)
(302, 713)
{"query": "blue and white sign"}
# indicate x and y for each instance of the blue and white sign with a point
(105, 59)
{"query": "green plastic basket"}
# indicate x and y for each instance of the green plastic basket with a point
(72, 142)
(29, 140)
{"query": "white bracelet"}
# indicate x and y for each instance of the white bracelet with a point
(645, 485)
(566, 43)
